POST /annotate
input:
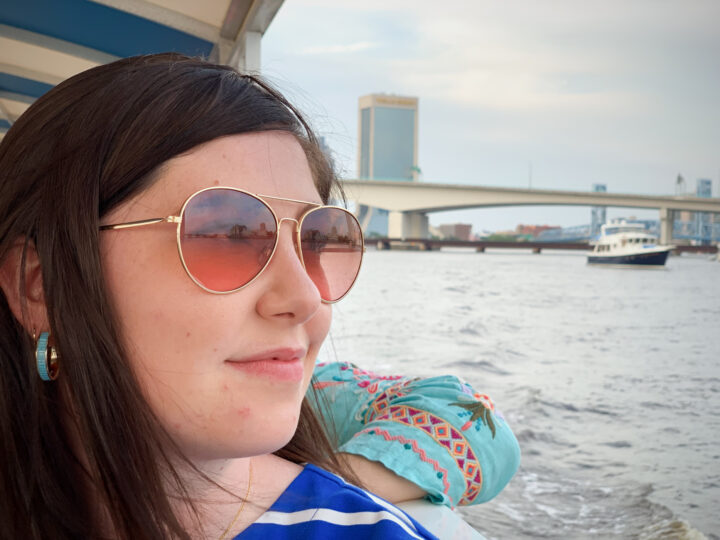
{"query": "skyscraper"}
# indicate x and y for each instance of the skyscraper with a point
(598, 215)
(703, 225)
(387, 148)
(387, 137)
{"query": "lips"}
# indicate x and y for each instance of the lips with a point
(284, 364)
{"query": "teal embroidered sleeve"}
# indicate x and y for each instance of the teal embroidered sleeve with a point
(437, 432)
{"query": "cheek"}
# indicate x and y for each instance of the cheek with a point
(150, 291)
(140, 269)
(325, 313)
(319, 326)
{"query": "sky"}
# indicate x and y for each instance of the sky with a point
(553, 94)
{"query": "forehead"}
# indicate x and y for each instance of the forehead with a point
(267, 163)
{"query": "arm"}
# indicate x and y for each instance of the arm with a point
(381, 480)
(432, 437)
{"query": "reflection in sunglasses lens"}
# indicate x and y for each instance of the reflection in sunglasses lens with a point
(226, 238)
(331, 243)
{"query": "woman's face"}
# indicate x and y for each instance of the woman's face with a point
(191, 349)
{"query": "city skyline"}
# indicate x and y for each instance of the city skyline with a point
(556, 96)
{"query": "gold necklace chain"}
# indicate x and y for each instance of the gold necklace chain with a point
(242, 505)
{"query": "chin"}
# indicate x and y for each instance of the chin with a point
(273, 432)
(267, 442)
(281, 433)
(275, 445)
(243, 430)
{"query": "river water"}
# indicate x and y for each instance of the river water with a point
(610, 379)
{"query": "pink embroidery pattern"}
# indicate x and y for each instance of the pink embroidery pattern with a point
(382, 402)
(412, 444)
(451, 439)
(366, 384)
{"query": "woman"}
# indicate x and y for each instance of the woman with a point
(146, 395)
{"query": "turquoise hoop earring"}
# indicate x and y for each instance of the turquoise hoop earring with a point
(46, 358)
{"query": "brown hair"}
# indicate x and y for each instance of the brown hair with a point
(79, 151)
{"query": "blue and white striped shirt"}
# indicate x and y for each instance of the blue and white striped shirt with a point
(318, 504)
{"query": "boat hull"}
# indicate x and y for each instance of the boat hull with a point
(656, 258)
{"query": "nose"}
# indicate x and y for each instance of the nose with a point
(289, 294)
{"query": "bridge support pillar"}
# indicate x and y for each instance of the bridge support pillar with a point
(364, 214)
(408, 225)
(667, 218)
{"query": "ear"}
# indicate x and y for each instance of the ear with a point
(27, 303)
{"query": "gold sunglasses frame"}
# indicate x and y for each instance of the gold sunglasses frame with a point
(278, 222)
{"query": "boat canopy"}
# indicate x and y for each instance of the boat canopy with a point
(622, 227)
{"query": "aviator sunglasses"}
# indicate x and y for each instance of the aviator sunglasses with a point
(226, 237)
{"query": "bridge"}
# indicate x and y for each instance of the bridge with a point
(410, 202)
(430, 244)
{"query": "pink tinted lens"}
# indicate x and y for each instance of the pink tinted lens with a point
(226, 238)
(332, 250)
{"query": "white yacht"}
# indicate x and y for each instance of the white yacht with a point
(628, 244)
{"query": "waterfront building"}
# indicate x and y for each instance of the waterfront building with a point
(598, 214)
(456, 231)
(576, 233)
(533, 230)
(683, 225)
(387, 148)
(698, 227)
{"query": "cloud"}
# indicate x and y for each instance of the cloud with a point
(339, 49)
(623, 93)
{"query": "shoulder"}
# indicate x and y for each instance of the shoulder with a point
(318, 504)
